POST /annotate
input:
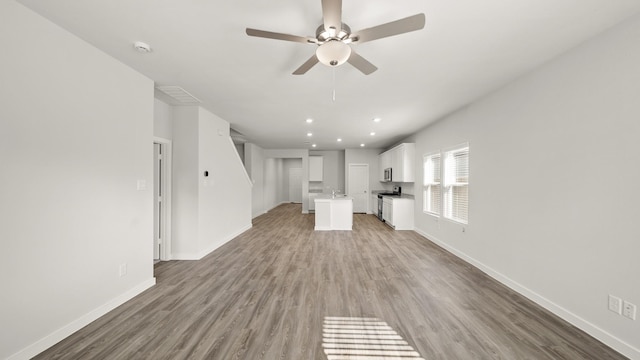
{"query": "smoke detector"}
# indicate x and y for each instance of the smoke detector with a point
(142, 47)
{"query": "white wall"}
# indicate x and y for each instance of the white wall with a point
(208, 210)
(162, 120)
(254, 163)
(553, 184)
(225, 195)
(76, 134)
(271, 185)
(185, 183)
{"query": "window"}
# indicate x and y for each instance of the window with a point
(456, 184)
(432, 193)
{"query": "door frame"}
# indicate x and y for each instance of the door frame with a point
(167, 174)
(348, 184)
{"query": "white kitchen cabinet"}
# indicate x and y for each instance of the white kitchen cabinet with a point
(398, 212)
(401, 160)
(316, 166)
(387, 208)
(384, 162)
(402, 165)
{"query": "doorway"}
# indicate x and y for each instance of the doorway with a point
(161, 200)
(358, 187)
(295, 185)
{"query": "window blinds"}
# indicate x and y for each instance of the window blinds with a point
(456, 184)
(432, 193)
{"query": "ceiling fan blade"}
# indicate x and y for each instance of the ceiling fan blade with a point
(411, 23)
(280, 36)
(361, 63)
(332, 14)
(307, 65)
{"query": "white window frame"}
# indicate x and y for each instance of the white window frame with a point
(455, 175)
(432, 183)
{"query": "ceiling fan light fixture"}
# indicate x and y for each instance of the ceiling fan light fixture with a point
(333, 53)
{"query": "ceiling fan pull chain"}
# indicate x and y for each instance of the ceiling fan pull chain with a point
(334, 84)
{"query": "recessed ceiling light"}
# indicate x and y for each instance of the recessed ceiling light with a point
(361, 145)
(314, 145)
(142, 47)
(377, 120)
(309, 121)
(339, 139)
(309, 134)
(372, 133)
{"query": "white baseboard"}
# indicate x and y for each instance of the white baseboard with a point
(60, 334)
(591, 329)
(199, 255)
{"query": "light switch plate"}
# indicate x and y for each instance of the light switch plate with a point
(629, 310)
(615, 304)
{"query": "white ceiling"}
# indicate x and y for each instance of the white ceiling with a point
(467, 49)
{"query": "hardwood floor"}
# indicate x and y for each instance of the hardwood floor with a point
(266, 294)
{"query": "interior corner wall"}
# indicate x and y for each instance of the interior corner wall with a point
(76, 135)
(225, 194)
(254, 162)
(553, 189)
(208, 210)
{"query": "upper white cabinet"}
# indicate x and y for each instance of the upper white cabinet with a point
(401, 161)
(316, 164)
(384, 162)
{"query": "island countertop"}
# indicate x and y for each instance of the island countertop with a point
(329, 197)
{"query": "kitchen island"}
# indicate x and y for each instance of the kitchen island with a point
(334, 212)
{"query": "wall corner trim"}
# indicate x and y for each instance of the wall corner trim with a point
(62, 333)
(584, 325)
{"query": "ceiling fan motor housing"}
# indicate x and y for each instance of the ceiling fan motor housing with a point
(323, 35)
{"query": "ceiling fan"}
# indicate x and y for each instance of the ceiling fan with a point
(333, 38)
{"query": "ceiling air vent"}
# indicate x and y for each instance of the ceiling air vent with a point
(179, 94)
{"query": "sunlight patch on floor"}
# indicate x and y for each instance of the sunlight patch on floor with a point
(355, 338)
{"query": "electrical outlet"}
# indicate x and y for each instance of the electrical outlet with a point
(615, 304)
(123, 269)
(629, 310)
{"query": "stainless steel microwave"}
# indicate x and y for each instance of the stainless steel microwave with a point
(387, 175)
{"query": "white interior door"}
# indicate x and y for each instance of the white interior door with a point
(358, 187)
(161, 199)
(157, 203)
(295, 185)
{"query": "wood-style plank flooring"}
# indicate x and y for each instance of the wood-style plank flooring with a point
(265, 295)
